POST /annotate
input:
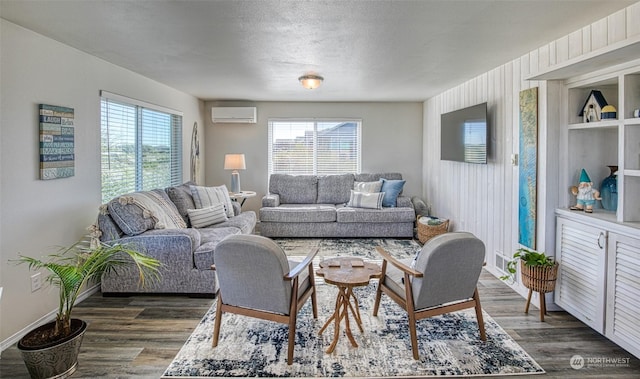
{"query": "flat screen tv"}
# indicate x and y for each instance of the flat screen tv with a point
(463, 135)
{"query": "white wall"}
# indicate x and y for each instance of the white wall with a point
(484, 199)
(38, 215)
(391, 141)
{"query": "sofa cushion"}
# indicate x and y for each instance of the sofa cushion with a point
(364, 215)
(210, 237)
(299, 213)
(370, 187)
(182, 199)
(334, 189)
(245, 221)
(294, 189)
(391, 190)
(137, 212)
(204, 217)
(371, 200)
(204, 197)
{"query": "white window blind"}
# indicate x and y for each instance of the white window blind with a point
(141, 147)
(314, 147)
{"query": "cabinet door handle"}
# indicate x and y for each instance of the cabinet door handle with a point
(601, 240)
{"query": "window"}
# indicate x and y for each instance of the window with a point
(314, 147)
(141, 146)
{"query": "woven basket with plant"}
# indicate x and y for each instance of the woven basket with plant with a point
(539, 271)
(429, 227)
(539, 278)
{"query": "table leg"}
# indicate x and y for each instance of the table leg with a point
(342, 307)
(356, 313)
(337, 316)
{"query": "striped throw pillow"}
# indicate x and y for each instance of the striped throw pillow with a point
(366, 200)
(370, 187)
(204, 197)
(203, 217)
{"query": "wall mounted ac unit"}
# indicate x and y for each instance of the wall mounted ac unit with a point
(244, 115)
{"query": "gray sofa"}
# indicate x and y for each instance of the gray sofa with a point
(186, 253)
(316, 206)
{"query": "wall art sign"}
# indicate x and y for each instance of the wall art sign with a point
(57, 142)
(528, 170)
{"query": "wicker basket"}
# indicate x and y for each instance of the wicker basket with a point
(539, 278)
(426, 232)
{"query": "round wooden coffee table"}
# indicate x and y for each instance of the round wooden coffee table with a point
(346, 273)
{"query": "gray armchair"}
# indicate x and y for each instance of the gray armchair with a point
(257, 280)
(443, 278)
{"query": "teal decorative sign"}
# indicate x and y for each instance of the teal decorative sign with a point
(57, 142)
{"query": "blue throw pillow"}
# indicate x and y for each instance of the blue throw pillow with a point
(391, 189)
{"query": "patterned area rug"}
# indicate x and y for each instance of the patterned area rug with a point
(364, 248)
(449, 345)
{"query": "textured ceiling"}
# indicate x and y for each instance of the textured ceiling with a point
(389, 50)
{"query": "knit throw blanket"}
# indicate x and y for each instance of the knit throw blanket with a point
(156, 207)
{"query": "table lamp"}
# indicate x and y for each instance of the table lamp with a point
(234, 162)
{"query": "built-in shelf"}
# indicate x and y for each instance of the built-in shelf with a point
(608, 124)
(610, 142)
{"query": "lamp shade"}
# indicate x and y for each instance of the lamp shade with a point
(234, 162)
(311, 81)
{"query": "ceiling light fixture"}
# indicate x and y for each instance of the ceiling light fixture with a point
(311, 81)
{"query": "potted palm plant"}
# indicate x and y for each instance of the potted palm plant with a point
(51, 350)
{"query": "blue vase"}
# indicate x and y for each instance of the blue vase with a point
(609, 190)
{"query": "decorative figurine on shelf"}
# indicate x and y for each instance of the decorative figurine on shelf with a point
(592, 109)
(585, 193)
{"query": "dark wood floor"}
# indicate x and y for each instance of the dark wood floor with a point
(137, 337)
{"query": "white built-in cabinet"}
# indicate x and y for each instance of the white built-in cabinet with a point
(599, 253)
(623, 291)
(599, 275)
(580, 288)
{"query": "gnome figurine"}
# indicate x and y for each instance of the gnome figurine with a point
(585, 193)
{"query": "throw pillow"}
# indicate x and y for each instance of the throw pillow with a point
(204, 217)
(370, 187)
(366, 200)
(391, 189)
(137, 212)
(181, 197)
(204, 197)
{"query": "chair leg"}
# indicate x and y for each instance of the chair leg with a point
(479, 318)
(376, 305)
(292, 338)
(216, 327)
(314, 299)
(414, 335)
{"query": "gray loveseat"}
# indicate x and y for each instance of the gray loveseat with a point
(186, 253)
(316, 206)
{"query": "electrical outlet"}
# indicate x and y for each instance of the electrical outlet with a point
(36, 282)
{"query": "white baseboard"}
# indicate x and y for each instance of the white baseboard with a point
(42, 320)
